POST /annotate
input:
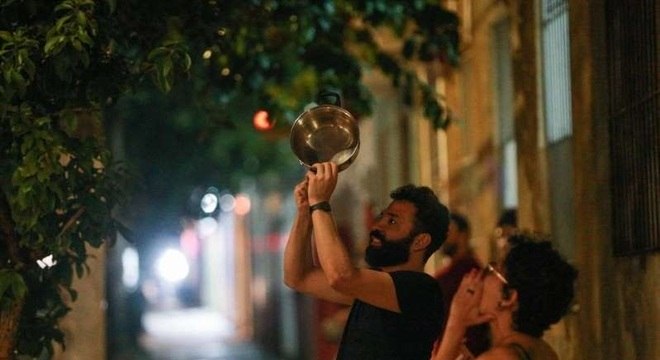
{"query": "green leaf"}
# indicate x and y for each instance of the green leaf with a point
(187, 63)
(166, 67)
(59, 24)
(65, 5)
(77, 45)
(81, 18)
(157, 52)
(85, 38)
(7, 75)
(53, 44)
(6, 36)
(112, 5)
(12, 285)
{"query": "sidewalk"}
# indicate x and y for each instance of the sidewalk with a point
(195, 334)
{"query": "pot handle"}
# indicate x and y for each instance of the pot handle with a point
(324, 96)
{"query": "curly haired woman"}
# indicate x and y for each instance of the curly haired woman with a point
(520, 298)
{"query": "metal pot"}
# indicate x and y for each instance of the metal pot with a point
(326, 132)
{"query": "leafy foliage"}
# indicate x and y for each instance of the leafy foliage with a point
(184, 77)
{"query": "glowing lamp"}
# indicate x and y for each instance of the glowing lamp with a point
(262, 121)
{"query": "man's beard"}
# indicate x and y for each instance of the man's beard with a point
(390, 252)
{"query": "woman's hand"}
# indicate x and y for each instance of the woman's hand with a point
(464, 311)
(322, 181)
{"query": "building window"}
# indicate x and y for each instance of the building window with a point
(634, 104)
(503, 76)
(556, 70)
(556, 89)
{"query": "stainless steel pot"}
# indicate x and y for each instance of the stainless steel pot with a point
(326, 132)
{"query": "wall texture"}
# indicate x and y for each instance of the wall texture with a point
(619, 297)
(617, 312)
(84, 326)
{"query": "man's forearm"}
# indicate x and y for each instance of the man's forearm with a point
(333, 255)
(297, 257)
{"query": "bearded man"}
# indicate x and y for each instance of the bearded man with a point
(396, 308)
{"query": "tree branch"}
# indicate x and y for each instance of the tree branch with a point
(71, 221)
(8, 236)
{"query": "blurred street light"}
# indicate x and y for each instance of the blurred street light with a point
(210, 199)
(172, 266)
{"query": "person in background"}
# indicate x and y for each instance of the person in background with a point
(507, 225)
(461, 256)
(462, 261)
(394, 303)
(508, 221)
(531, 289)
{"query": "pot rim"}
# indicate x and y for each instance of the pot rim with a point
(325, 107)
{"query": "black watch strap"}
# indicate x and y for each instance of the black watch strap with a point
(323, 205)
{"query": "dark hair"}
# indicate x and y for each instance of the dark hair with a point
(461, 222)
(508, 217)
(544, 282)
(431, 217)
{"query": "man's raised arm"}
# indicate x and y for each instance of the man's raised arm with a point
(300, 273)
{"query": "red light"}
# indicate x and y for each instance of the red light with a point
(262, 121)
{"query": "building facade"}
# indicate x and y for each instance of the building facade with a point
(554, 111)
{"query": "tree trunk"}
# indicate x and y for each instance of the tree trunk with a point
(9, 319)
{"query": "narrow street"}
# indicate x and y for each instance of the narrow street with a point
(195, 334)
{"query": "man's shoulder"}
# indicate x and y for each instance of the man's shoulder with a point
(417, 279)
(411, 274)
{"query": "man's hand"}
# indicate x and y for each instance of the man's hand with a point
(300, 196)
(322, 182)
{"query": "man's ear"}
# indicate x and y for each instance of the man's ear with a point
(421, 242)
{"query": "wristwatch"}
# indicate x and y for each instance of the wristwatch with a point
(323, 205)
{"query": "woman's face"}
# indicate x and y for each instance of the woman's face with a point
(494, 281)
